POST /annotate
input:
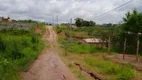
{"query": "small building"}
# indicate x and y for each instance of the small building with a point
(95, 41)
(5, 19)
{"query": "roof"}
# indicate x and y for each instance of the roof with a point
(92, 40)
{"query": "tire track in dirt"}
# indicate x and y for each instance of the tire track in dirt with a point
(48, 65)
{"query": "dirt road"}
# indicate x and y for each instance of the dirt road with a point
(48, 65)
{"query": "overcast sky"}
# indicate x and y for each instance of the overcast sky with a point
(45, 10)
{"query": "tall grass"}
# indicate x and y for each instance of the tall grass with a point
(18, 48)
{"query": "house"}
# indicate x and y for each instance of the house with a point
(5, 19)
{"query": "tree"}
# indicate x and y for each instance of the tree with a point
(78, 22)
(92, 23)
(81, 23)
(85, 23)
(133, 24)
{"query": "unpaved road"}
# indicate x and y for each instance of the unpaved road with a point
(48, 65)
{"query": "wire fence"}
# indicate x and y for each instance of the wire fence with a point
(17, 25)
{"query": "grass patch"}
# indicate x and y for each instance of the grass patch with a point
(98, 64)
(106, 67)
(73, 32)
(78, 47)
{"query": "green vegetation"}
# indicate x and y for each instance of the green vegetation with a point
(132, 27)
(41, 27)
(93, 59)
(78, 47)
(129, 29)
(18, 49)
(96, 32)
(81, 23)
(106, 67)
(84, 32)
(98, 62)
(102, 65)
(77, 73)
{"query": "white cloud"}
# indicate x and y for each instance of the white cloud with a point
(44, 10)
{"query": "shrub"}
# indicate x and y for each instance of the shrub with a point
(8, 70)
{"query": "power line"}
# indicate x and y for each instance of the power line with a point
(114, 9)
(67, 9)
(113, 14)
(76, 6)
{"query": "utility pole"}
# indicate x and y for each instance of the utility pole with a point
(70, 26)
(69, 42)
(53, 21)
(71, 22)
(57, 20)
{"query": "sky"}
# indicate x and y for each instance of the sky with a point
(48, 10)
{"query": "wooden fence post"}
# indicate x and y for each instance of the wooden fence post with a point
(138, 46)
(137, 52)
(109, 42)
(124, 48)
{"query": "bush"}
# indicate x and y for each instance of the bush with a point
(8, 71)
(18, 48)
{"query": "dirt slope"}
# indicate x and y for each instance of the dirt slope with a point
(48, 65)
